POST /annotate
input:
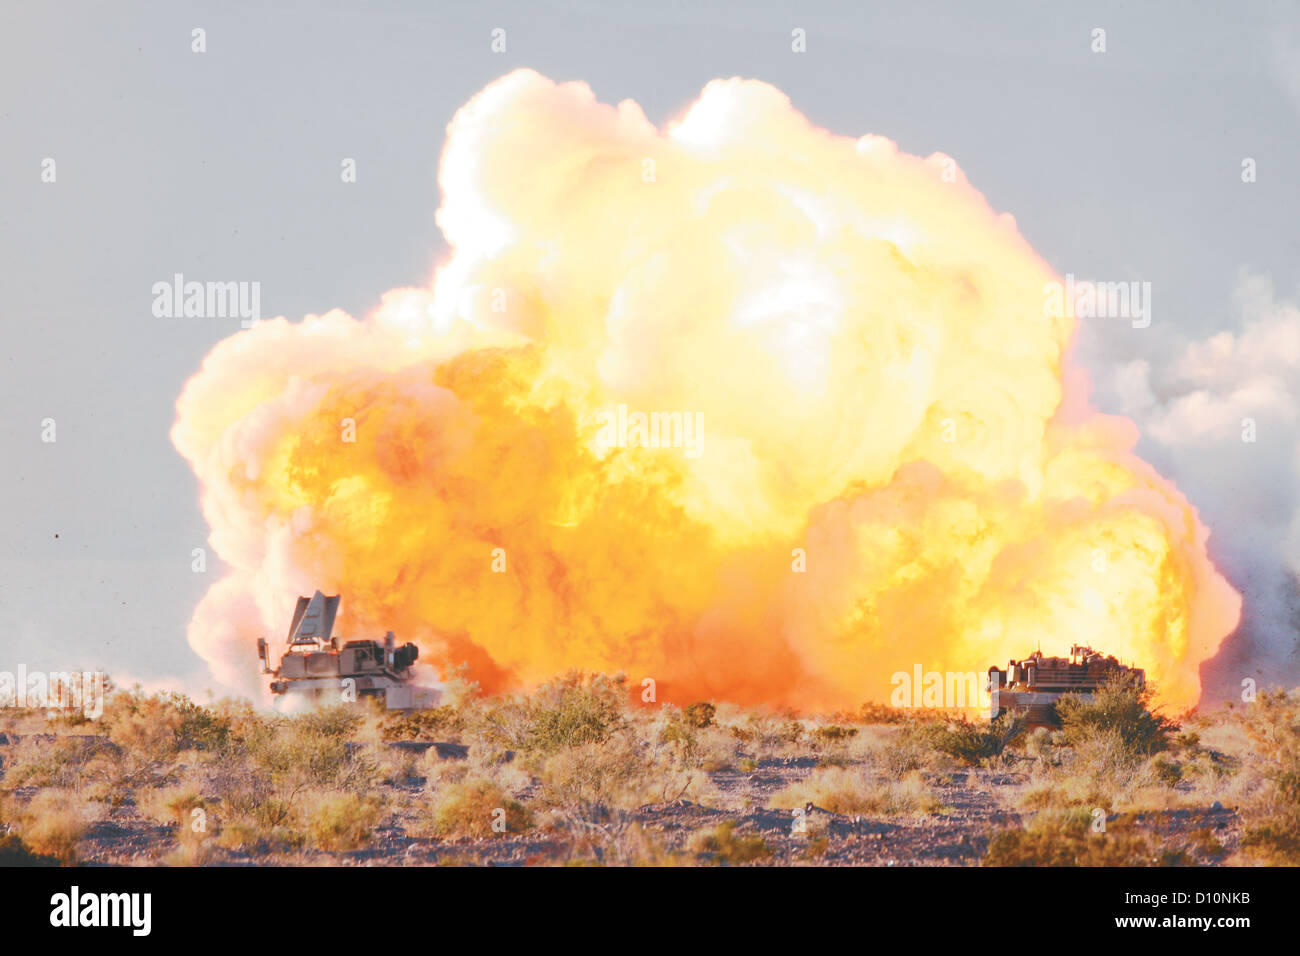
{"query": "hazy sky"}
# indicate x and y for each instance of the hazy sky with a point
(1123, 165)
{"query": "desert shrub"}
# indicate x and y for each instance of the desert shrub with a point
(700, 714)
(1205, 842)
(269, 764)
(1065, 838)
(310, 749)
(469, 809)
(592, 779)
(1120, 710)
(1102, 756)
(834, 733)
(1165, 771)
(693, 742)
(841, 790)
(438, 723)
(574, 711)
(62, 762)
(437, 771)
(679, 735)
(873, 713)
(1101, 771)
(336, 722)
(191, 851)
(171, 806)
(901, 754)
(767, 735)
(1064, 791)
(14, 852)
(1044, 745)
(489, 760)
(144, 725)
(715, 749)
(622, 844)
(339, 821)
(1272, 817)
(725, 847)
(391, 766)
(244, 725)
(200, 728)
(53, 823)
(969, 742)
(260, 840)
(504, 721)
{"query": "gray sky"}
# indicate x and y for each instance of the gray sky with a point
(1119, 166)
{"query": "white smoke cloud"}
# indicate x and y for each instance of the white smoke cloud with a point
(1203, 406)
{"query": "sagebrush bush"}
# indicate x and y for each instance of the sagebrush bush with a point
(595, 778)
(834, 733)
(269, 765)
(1067, 838)
(66, 762)
(54, 822)
(700, 714)
(476, 808)
(172, 806)
(901, 754)
(1121, 712)
(968, 742)
(440, 723)
(338, 821)
(201, 728)
(576, 711)
(144, 726)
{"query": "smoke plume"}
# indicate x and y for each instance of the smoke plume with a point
(895, 466)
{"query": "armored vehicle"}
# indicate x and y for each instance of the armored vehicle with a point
(316, 668)
(1031, 687)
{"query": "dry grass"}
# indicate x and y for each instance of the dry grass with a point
(1067, 838)
(622, 845)
(1272, 726)
(192, 851)
(54, 822)
(724, 847)
(841, 790)
(475, 808)
(337, 821)
(172, 806)
(70, 762)
(577, 760)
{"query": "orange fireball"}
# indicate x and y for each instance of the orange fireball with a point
(760, 412)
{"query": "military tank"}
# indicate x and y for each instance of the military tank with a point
(1031, 687)
(314, 667)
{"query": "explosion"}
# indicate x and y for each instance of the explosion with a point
(895, 465)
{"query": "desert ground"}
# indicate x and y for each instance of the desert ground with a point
(575, 774)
